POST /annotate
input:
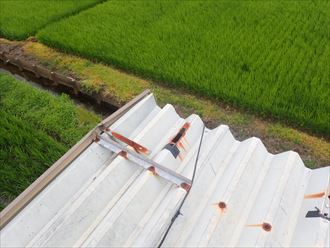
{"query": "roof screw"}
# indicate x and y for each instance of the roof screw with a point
(97, 139)
(123, 154)
(185, 186)
(152, 169)
(222, 205)
(267, 227)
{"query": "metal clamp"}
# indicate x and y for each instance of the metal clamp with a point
(145, 162)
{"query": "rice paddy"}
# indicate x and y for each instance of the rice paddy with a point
(20, 19)
(25, 153)
(268, 57)
(36, 129)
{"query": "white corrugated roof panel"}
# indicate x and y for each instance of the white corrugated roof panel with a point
(241, 195)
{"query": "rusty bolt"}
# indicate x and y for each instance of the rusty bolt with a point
(267, 227)
(152, 169)
(185, 186)
(123, 154)
(222, 205)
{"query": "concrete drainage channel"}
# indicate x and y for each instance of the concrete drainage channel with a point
(56, 83)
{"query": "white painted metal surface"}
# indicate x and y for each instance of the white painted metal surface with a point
(103, 199)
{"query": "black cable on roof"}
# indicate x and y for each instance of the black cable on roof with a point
(177, 213)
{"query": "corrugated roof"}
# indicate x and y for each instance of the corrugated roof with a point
(241, 196)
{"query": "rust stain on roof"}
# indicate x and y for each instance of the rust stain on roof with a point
(137, 147)
(315, 195)
(265, 226)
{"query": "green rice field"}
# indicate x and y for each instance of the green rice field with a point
(268, 57)
(25, 153)
(36, 129)
(20, 19)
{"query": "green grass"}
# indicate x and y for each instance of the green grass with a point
(57, 116)
(20, 19)
(36, 129)
(25, 153)
(270, 57)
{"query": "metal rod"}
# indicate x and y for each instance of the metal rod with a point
(145, 162)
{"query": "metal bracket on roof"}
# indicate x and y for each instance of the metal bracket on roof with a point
(317, 214)
(137, 147)
(173, 145)
(145, 162)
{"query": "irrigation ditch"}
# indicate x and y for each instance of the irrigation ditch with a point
(56, 83)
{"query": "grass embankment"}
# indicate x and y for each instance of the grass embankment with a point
(270, 57)
(122, 87)
(36, 129)
(20, 19)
